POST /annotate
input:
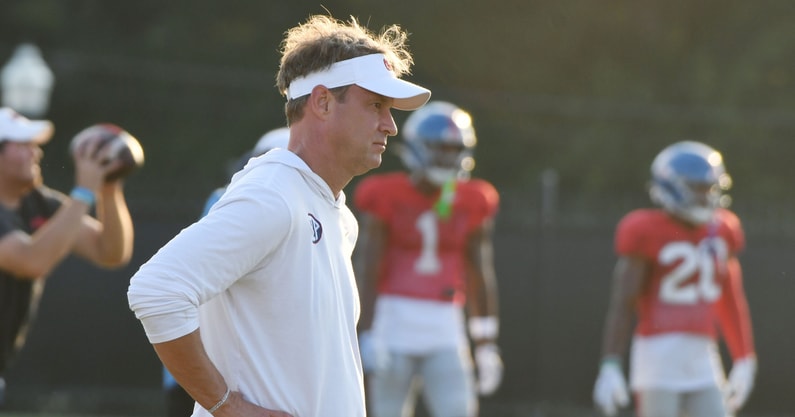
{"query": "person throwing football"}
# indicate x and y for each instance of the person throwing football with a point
(40, 226)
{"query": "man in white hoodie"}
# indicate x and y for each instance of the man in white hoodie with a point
(178, 402)
(253, 308)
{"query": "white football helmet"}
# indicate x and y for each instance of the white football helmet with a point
(276, 138)
(689, 181)
(438, 142)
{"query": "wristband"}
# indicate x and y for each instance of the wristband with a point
(221, 402)
(83, 194)
(486, 327)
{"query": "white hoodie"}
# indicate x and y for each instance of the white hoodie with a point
(267, 276)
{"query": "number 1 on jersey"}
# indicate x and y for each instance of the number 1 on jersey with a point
(428, 263)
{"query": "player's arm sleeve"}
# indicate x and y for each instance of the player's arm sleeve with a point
(734, 317)
(204, 259)
(485, 202)
(370, 198)
(631, 236)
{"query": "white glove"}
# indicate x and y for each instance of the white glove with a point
(610, 392)
(375, 356)
(489, 363)
(741, 382)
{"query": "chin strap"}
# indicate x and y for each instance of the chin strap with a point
(444, 205)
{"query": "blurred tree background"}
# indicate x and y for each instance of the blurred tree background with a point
(587, 91)
(590, 89)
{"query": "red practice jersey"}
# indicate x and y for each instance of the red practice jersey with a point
(694, 278)
(425, 257)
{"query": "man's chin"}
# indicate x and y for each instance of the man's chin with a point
(373, 163)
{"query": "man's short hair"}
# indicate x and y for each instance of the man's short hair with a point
(322, 41)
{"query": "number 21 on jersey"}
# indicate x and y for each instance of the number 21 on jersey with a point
(693, 260)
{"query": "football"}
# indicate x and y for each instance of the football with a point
(123, 146)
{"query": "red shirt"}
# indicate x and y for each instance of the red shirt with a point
(425, 256)
(695, 280)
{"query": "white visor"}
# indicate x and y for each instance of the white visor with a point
(15, 127)
(371, 72)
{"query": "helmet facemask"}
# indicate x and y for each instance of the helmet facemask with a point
(693, 202)
(445, 162)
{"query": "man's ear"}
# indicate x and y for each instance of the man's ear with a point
(319, 101)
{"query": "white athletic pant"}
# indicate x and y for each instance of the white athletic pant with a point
(707, 402)
(445, 378)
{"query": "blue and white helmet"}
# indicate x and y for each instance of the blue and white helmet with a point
(438, 142)
(689, 181)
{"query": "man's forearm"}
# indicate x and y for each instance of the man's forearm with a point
(186, 359)
(116, 240)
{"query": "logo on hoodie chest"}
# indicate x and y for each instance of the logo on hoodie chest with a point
(317, 228)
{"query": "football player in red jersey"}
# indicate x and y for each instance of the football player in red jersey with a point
(426, 274)
(678, 273)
